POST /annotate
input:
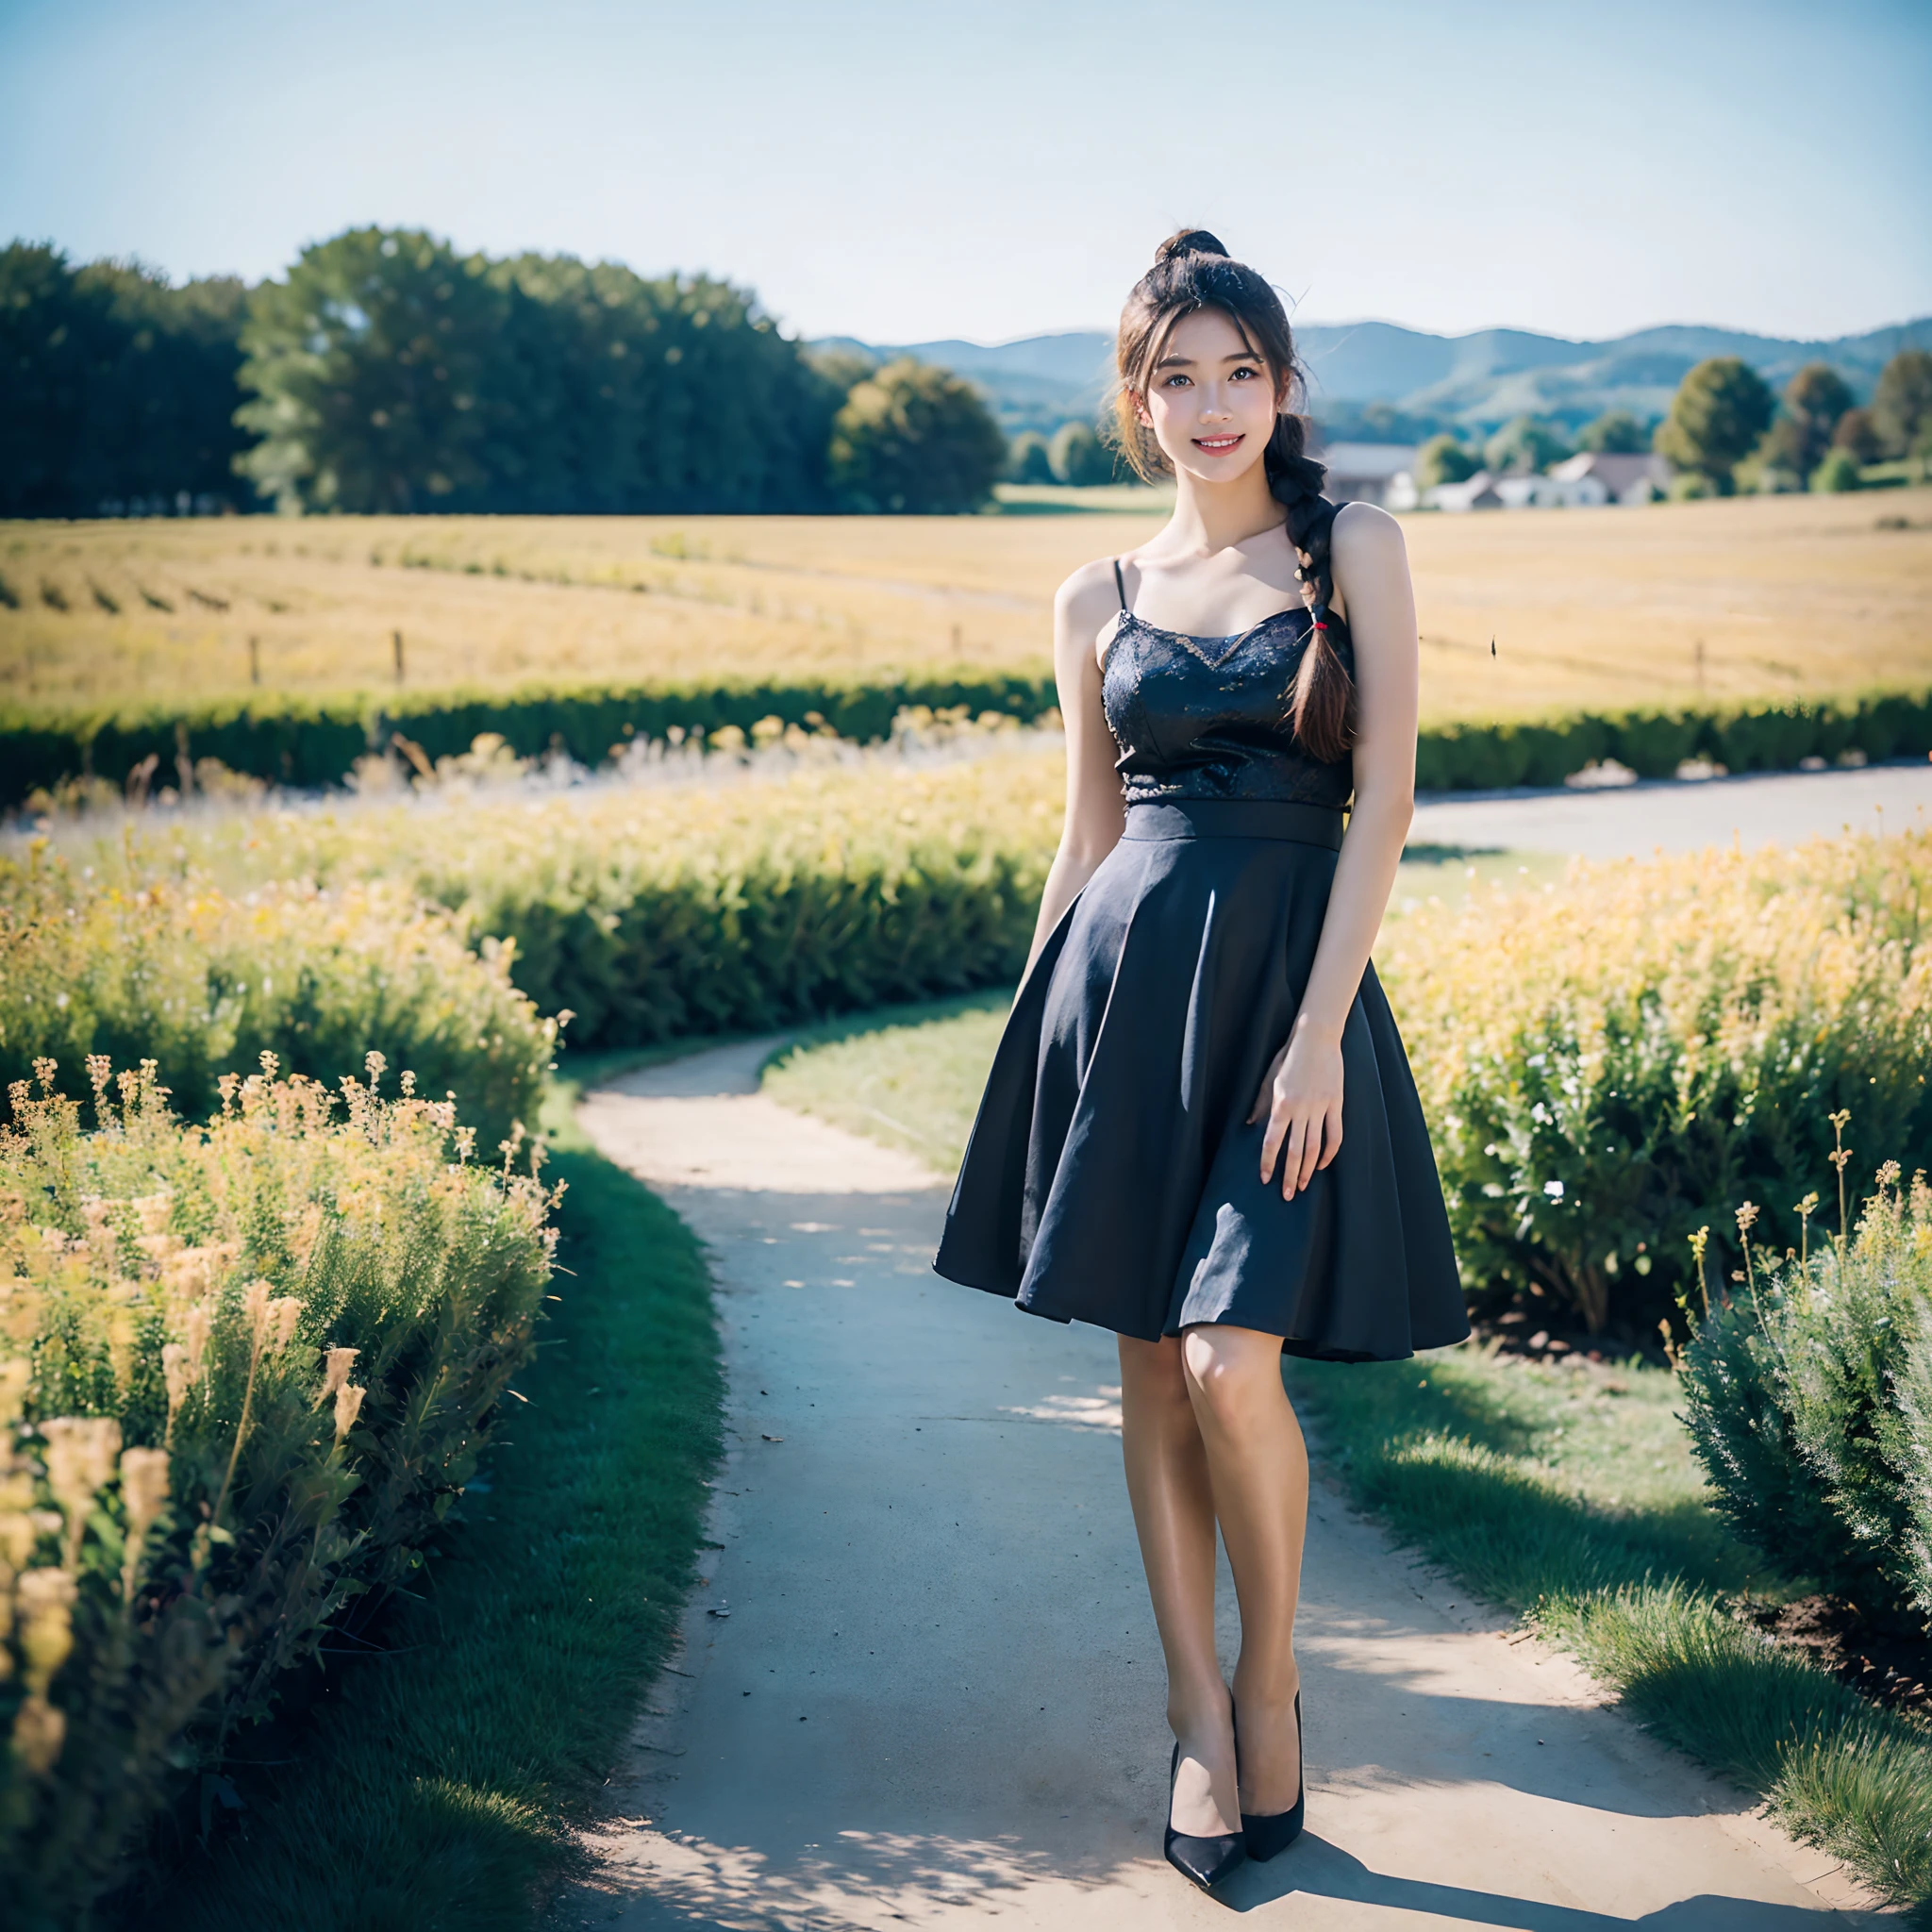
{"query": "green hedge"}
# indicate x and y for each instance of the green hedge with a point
(315, 742)
(1766, 735)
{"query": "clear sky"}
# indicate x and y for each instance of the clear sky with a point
(999, 168)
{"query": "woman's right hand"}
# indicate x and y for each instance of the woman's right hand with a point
(1301, 1096)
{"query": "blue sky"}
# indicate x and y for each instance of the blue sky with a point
(1003, 167)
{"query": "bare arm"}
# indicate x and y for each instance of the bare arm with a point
(1302, 1094)
(1096, 813)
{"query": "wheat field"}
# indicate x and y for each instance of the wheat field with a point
(1750, 597)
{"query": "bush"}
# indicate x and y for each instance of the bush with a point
(1526, 444)
(1838, 471)
(1610, 1064)
(244, 1369)
(1444, 459)
(291, 739)
(914, 440)
(169, 968)
(1080, 457)
(1808, 1395)
(654, 910)
(1028, 459)
(308, 742)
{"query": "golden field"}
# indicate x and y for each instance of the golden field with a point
(1604, 608)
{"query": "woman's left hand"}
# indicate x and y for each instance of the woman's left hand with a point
(1301, 1096)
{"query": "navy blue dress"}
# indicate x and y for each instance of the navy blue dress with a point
(1111, 1176)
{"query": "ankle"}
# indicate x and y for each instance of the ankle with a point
(1201, 1714)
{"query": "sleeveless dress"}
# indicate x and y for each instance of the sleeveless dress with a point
(1111, 1176)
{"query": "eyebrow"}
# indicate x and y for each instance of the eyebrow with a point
(1188, 362)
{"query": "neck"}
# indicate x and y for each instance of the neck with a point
(1219, 516)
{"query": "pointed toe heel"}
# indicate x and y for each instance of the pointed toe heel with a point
(1205, 1860)
(1265, 1835)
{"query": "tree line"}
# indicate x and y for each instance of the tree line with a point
(386, 372)
(1727, 429)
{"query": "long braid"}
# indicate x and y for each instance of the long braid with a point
(1322, 704)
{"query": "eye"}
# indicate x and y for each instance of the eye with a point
(1246, 369)
(1178, 380)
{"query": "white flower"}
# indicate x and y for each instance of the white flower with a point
(1553, 1189)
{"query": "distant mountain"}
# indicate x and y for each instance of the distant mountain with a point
(1420, 381)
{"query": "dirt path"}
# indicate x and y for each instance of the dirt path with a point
(920, 1685)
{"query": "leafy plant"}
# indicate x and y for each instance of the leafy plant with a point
(244, 1369)
(1809, 1393)
(1609, 1063)
(650, 911)
(167, 967)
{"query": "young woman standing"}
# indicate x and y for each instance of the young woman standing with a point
(1200, 1129)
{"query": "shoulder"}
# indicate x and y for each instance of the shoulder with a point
(1363, 533)
(1364, 541)
(1089, 596)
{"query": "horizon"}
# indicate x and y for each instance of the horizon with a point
(1507, 329)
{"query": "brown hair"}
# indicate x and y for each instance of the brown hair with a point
(1191, 269)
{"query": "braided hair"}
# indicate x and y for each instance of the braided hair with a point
(1191, 270)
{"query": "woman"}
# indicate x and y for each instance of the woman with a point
(1200, 1129)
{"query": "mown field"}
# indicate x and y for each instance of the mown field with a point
(1762, 596)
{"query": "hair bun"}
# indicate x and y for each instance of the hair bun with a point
(1188, 242)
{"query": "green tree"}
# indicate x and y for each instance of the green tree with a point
(915, 440)
(384, 370)
(1616, 432)
(1902, 403)
(1029, 460)
(1080, 458)
(1815, 401)
(1444, 459)
(634, 396)
(1525, 445)
(114, 387)
(1721, 409)
(1857, 436)
(392, 373)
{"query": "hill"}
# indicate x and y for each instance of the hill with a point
(1470, 381)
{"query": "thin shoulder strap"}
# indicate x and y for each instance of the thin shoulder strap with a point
(1120, 583)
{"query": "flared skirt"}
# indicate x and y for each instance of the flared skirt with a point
(1112, 1175)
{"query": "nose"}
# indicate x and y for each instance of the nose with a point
(1215, 403)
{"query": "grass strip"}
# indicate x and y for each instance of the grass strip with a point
(1508, 1479)
(437, 1789)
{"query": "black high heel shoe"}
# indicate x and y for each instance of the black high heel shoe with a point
(1206, 1861)
(1263, 1837)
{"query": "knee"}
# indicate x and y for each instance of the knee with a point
(1153, 1377)
(1228, 1375)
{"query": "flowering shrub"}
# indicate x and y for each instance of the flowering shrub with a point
(244, 1369)
(1808, 1396)
(653, 910)
(1610, 1064)
(164, 966)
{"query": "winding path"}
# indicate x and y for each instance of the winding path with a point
(921, 1685)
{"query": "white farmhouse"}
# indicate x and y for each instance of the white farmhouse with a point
(1362, 471)
(1641, 477)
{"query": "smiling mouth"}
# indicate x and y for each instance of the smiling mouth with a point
(1218, 445)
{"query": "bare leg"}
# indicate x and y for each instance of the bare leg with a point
(1174, 1513)
(1258, 1466)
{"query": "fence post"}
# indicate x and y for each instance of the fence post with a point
(396, 640)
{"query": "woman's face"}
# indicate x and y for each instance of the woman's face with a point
(1209, 399)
